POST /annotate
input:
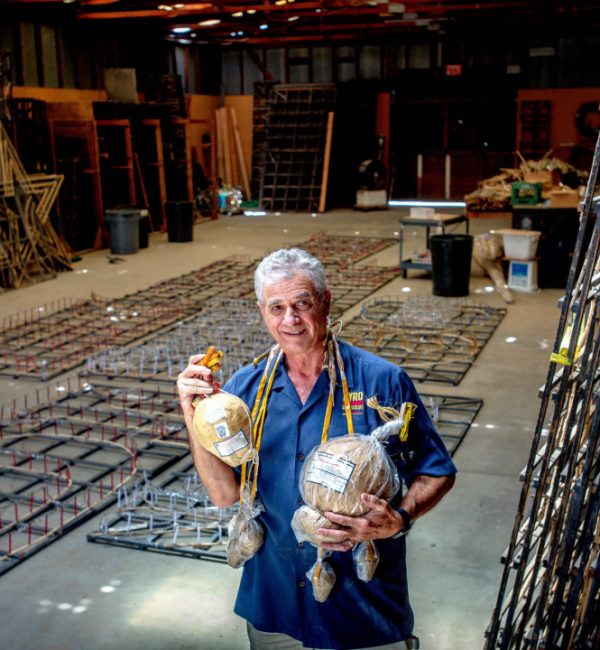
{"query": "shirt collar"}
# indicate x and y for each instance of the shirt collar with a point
(281, 377)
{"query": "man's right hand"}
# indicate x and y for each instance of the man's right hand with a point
(195, 381)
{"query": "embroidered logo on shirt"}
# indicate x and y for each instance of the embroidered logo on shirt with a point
(357, 402)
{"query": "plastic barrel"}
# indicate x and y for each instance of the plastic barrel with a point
(180, 220)
(124, 230)
(451, 264)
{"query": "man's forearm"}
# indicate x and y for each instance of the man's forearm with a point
(218, 477)
(424, 493)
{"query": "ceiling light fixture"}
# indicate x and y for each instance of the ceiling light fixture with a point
(251, 12)
(181, 30)
(292, 19)
(178, 6)
(280, 2)
(263, 26)
(165, 8)
(238, 14)
(210, 22)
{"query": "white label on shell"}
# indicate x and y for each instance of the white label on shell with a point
(222, 430)
(215, 414)
(330, 470)
(233, 444)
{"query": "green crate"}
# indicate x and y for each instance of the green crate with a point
(526, 193)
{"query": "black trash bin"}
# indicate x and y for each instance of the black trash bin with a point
(451, 264)
(124, 230)
(180, 220)
(144, 227)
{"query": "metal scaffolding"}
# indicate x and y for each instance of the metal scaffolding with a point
(549, 594)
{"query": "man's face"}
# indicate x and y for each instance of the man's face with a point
(295, 315)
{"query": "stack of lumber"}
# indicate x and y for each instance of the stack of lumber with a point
(494, 194)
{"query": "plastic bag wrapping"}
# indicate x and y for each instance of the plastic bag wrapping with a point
(305, 522)
(338, 471)
(246, 534)
(223, 425)
(322, 579)
(366, 559)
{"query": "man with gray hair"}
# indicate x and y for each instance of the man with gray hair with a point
(274, 595)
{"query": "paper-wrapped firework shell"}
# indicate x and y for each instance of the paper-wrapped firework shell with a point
(223, 426)
(322, 579)
(366, 559)
(341, 469)
(246, 536)
(306, 520)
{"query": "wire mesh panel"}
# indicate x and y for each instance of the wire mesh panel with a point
(63, 458)
(344, 250)
(173, 515)
(293, 148)
(433, 339)
(54, 338)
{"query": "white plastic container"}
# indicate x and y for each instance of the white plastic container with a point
(422, 213)
(519, 244)
(522, 276)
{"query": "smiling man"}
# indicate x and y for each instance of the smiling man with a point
(275, 595)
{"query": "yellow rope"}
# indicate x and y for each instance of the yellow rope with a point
(264, 390)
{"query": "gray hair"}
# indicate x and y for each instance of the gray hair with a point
(286, 263)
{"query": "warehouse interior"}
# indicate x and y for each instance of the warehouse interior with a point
(151, 154)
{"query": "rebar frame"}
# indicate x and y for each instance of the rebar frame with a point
(52, 339)
(338, 251)
(549, 595)
(433, 339)
(64, 456)
(173, 516)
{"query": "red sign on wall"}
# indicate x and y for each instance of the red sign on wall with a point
(454, 69)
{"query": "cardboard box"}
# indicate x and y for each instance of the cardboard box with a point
(564, 198)
(544, 177)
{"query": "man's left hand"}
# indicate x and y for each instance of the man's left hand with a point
(379, 522)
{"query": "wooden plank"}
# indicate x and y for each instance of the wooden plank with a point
(219, 147)
(214, 213)
(226, 146)
(240, 154)
(327, 157)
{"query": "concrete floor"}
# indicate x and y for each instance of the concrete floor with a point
(74, 594)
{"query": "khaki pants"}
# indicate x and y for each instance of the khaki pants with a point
(272, 641)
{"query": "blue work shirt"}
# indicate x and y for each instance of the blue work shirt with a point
(275, 595)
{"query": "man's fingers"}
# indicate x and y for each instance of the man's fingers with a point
(346, 545)
(375, 503)
(333, 534)
(342, 520)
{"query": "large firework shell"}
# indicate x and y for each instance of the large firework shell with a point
(338, 471)
(223, 426)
